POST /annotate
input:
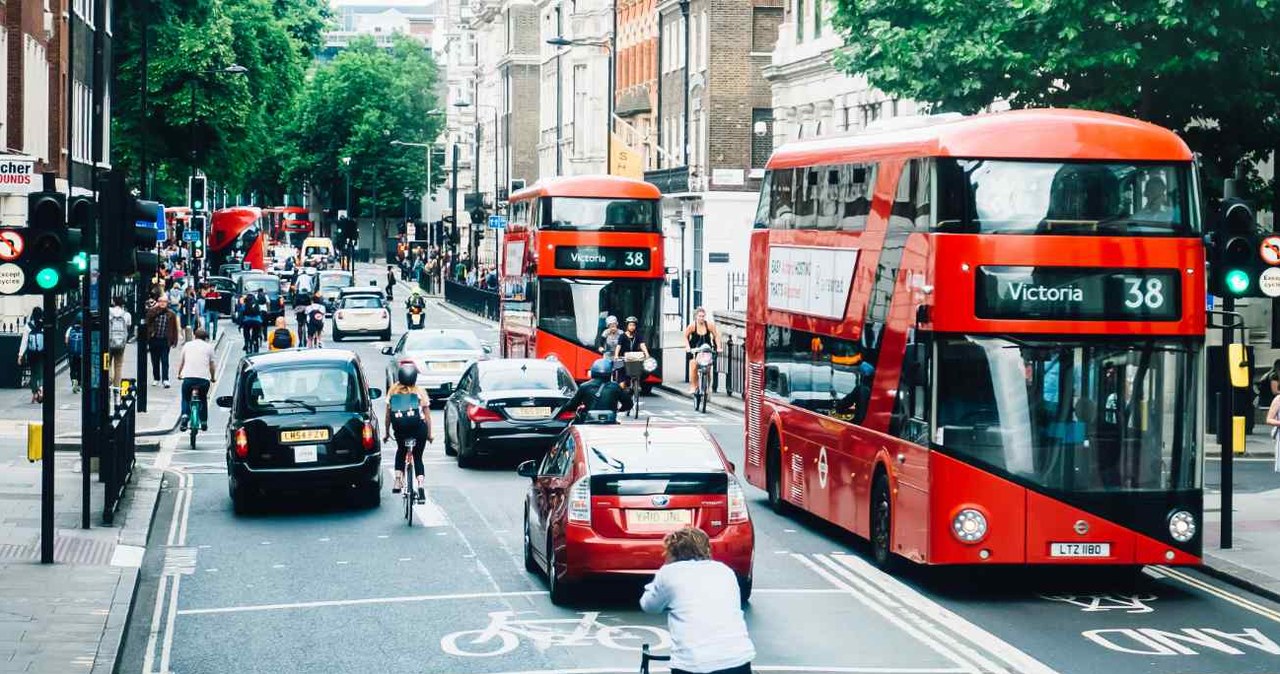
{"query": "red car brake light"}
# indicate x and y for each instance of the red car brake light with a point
(478, 414)
(241, 443)
(367, 436)
(567, 415)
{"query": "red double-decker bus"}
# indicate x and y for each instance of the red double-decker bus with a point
(978, 341)
(290, 225)
(235, 237)
(580, 249)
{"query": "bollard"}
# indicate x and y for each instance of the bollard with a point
(35, 441)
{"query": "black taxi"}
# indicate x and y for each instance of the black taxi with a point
(301, 420)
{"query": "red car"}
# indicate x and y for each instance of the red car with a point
(603, 497)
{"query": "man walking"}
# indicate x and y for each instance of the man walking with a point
(162, 335)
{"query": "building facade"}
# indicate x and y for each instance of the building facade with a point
(574, 102)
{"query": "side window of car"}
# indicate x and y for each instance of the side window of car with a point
(564, 460)
(549, 459)
(400, 344)
(465, 384)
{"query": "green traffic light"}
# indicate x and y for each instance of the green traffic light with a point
(47, 278)
(80, 262)
(1236, 281)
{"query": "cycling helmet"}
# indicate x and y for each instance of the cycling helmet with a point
(407, 375)
(602, 368)
(612, 320)
(633, 319)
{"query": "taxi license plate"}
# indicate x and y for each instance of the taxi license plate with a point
(659, 518)
(1079, 549)
(306, 454)
(306, 435)
(529, 412)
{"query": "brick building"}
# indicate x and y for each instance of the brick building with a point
(636, 89)
(715, 142)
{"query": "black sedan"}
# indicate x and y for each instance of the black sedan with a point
(512, 405)
(299, 420)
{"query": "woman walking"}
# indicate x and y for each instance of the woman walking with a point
(31, 352)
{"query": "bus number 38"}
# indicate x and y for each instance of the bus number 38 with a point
(1141, 293)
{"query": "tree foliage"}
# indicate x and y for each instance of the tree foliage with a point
(1204, 69)
(353, 107)
(231, 122)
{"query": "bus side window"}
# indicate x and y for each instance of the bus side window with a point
(828, 201)
(854, 195)
(766, 198)
(781, 199)
(806, 197)
(910, 419)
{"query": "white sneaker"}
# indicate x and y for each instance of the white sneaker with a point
(166, 383)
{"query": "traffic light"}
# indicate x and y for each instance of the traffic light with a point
(478, 216)
(198, 193)
(45, 257)
(128, 230)
(82, 232)
(198, 224)
(1234, 251)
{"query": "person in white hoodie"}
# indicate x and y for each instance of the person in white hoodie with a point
(118, 322)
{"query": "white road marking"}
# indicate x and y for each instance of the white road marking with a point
(430, 514)
(1017, 660)
(886, 614)
(359, 602)
(129, 556)
(1221, 593)
(754, 667)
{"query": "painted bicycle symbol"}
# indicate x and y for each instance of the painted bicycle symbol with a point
(504, 632)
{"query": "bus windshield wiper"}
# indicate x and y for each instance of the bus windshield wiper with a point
(295, 402)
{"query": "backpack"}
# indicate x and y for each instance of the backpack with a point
(117, 332)
(317, 317)
(75, 341)
(281, 339)
(35, 340)
(251, 307)
(406, 412)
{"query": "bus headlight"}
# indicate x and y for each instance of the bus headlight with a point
(1182, 526)
(969, 525)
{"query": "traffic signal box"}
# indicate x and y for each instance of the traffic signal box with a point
(1243, 262)
(129, 230)
(199, 193)
(47, 254)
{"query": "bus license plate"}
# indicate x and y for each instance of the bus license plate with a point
(306, 453)
(659, 518)
(1079, 549)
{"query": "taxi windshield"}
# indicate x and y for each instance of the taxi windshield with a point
(302, 388)
(270, 284)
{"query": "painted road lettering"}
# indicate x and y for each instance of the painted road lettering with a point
(1093, 603)
(1186, 641)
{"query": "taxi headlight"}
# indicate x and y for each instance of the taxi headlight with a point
(969, 525)
(1182, 526)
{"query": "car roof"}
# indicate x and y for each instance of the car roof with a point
(507, 364)
(275, 359)
(358, 290)
(651, 448)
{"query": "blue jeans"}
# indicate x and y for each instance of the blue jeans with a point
(211, 324)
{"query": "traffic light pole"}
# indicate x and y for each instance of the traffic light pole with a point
(1225, 413)
(50, 408)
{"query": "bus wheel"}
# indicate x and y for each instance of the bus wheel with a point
(773, 476)
(881, 523)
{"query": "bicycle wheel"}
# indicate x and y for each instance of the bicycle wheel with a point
(704, 385)
(193, 420)
(409, 479)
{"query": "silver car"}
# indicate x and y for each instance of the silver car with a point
(441, 357)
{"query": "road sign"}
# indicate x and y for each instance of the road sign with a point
(411, 231)
(12, 278)
(190, 235)
(10, 245)
(1270, 250)
(497, 222)
(1269, 282)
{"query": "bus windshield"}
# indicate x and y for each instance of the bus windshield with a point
(592, 214)
(983, 196)
(575, 309)
(1087, 416)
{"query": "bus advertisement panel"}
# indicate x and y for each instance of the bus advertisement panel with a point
(236, 238)
(979, 341)
(578, 250)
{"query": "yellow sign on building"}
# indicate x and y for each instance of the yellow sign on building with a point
(625, 161)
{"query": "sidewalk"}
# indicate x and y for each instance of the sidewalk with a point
(70, 616)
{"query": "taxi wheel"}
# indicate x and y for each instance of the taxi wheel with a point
(450, 449)
(530, 564)
(561, 593)
(241, 501)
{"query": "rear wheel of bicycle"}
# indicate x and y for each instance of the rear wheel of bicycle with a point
(193, 422)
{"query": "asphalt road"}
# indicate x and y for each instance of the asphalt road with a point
(313, 585)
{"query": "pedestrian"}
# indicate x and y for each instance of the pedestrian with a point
(74, 341)
(703, 603)
(190, 309)
(315, 321)
(1273, 420)
(281, 337)
(118, 322)
(31, 352)
(209, 309)
(162, 336)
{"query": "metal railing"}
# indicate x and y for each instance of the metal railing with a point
(737, 291)
(119, 454)
(732, 364)
(475, 300)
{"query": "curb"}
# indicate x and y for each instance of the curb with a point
(1234, 574)
(466, 315)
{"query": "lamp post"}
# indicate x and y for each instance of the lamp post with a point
(233, 69)
(346, 163)
(476, 164)
(610, 46)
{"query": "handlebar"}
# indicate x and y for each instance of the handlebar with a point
(646, 657)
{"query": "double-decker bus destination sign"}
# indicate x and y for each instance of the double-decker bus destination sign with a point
(1067, 293)
(606, 258)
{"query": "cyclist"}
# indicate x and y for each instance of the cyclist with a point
(251, 318)
(281, 337)
(315, 321)
(300, 315)
(703, 605)
(409, 412)
(601, 394)
(630, 341)
(699, 333)
(607, 342)
(197, 371)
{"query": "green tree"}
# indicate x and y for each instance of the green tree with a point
(228, 124)
(1205, 70)
(354, 107)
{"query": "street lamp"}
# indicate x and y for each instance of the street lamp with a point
(233, 69)
(346, 162)
(475, 168)
(611, 46)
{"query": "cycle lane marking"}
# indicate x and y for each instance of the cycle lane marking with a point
(657, 669)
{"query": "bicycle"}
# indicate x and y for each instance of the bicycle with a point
(646, 657)
(410, 481)
(195, 414)
(703, 357)
(253, 341)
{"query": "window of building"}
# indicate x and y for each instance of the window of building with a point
(761, 136)
(869, 113)
(798, 15)
(817, 18)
